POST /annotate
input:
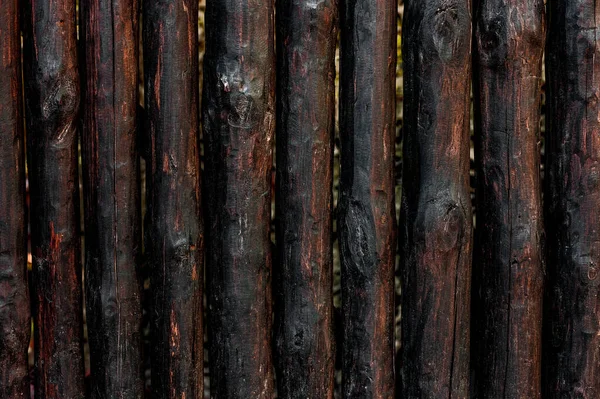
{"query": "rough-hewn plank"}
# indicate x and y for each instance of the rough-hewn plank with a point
(508, 267)
(239, 121)
(109, 33)
(175, 218)
(436, 209)
(14, 295)
(366, 208)
(306, 38)
(52, 102)
(572, 197)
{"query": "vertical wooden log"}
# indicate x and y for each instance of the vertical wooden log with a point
(366, 207)
(109, 31)
(52, 102)
(508, 268)
(239, 121)
(176, 229)
(436, 207)
(14, 296)
(572, 314)
(306, 38)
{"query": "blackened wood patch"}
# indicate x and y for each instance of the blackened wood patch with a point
(572, 198)
(52, 102)
(366, 209)
(109, 34)
(14, 295)
(436, 208)
(238, 122)
(175, 219)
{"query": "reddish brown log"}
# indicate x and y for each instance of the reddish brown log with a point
(436, 207)
(306, 36)
(109, 32)
(14, 296)
(572, 198)
(508, 268)
(52, 99)
(239, 121)
(176, 228)
(367, 220)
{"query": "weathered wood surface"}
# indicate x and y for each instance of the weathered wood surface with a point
(508, 268)
(52, 103)
(366, 207)
(306, 38)
(175, 218)
(14, 294)
(436, 237)
(239, 121)
(572, 197)
(109, 34)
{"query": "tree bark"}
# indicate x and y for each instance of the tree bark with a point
(572, 329)
(109, 32)
(15, 318)
(239, 122)
(436, 216)
(306, 38)
(508, 270)
(52, 100)
(367, 220)
(176, 227)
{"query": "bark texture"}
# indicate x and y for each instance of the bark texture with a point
(175, 217)
(14, 295)
(111, 196)
(508, 269)
(239, 122)
(306, 38)
(52, 102)
(366, 209)
(436, 237)
(572, 314)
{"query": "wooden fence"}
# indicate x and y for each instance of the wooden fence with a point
(499, 301)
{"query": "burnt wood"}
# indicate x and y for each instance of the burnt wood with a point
(306, 39)
(52, 95)
(436, 236)
(572, 199)
(109, 35)
(239, 121)
(15, 319)
(170, 33)
(366, 208)
(508, 268)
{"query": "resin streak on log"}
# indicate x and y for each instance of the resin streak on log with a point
(436, 237)
(367, 221)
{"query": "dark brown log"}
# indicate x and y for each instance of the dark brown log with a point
(175, 218)
(239, 121)
(572, 197)
(367, 220)
(306, 38)
(436, 237)
(109, 33)
(52, 102)
(14, 295)
(508, 269)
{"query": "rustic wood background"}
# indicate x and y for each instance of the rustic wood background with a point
(300, 198)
